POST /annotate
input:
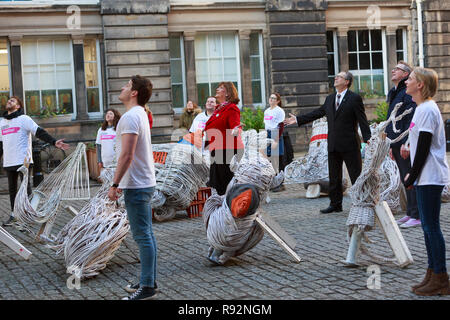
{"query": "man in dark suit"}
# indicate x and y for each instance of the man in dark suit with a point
(344, 110)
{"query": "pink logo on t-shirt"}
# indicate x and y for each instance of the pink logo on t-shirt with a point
(10, 130)
(107, 137)
(268, 117)
(412, 124)
(201, 125)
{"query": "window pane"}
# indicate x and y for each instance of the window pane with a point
(30, 77)
(353, 61)
(4, 78)
(29, 52)
(45, 52)
(90, 50)
(91, 74)
(351, 40)
(254, 68)
(377, 61)
(49, 100)
(364, 61)
(47, 77)
(229, 45)
(355, 84)
(330, 84)
(331, 63)
(363, 40)
(254, 44)
(203, 93)
(399, 38)
(32, 102)
(400, 56)
(93, 100)
(63, 76)
(230, 69)
(62, 52)
(4, 97)
(366, 84)
(376, 39)
(201, 70)
(174, 47)
(3, 53)
(66, 102)
(256, 92)
(215, 69)
(175, 71)
(214, 46)
(177, 96)
(200, 46)
(330, 44)
(378, 85)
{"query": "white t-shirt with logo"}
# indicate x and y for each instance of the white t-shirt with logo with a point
(107, 140)
(427, 117)
(272, 117)
(141, 173)
(199, 122)
(16, 137)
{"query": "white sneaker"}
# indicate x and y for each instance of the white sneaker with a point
(403, 220)
(411, 223)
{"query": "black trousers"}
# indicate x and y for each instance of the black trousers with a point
(353, 162)
(220, 174)
(404, 166)
(13, 177)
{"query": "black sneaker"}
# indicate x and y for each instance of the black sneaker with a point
(9, 222)
(131, 288)
(143, 293)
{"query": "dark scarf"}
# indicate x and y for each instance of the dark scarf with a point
(13, 115)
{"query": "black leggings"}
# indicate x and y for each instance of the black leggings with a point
(13, 176)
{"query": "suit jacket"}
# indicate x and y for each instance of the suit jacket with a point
(342, 124)
(218, 129)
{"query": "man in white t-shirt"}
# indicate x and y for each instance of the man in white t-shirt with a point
(135, 175)
(15, 145)
(201, 118)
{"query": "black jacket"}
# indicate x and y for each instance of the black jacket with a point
(395, 96)
(342, 124)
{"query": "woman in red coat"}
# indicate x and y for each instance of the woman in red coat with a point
(223, 136)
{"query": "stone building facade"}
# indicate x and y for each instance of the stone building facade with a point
(73, 57)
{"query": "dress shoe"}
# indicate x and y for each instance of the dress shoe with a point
(332, 209)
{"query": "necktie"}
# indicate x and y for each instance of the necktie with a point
(337, 101)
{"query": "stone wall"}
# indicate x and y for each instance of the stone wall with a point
(136, 42)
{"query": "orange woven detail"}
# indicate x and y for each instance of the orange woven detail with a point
(240, 204)
(159, 157)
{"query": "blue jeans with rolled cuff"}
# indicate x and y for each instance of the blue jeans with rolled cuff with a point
(429, 205)
(139, 211)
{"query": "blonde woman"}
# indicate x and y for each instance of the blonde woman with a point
(429, 174)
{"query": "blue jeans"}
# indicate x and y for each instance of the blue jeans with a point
(429, 205)
(139, 211)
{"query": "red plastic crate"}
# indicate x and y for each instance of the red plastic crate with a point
(195, 208)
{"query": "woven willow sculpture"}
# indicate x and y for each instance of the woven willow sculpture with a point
(69, 181)
(228, 236)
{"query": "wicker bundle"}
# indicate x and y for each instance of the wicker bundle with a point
(91, 238)
(229, 236)
(178, 179)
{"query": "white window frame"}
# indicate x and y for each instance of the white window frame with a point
(179, 110)
(335, 53)
(74, 113)
(405, 46)
(8, 55)
(238, 62)
(262, 79)
(370, 72)
(99, 113)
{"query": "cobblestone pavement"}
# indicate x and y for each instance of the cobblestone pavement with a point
(265, 272)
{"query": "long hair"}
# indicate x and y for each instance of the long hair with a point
(278, 99)
(232, 94)
(115, 120)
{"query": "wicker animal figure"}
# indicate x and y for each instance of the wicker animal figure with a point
(229, 220)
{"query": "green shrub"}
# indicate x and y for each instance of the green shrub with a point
(381, 111)
(252, 118)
